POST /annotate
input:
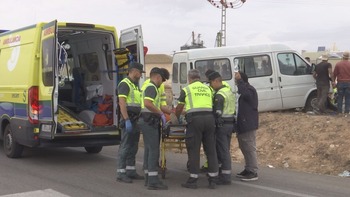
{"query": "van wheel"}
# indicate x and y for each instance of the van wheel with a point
(93, 149)
(311, 102)
(11, 147)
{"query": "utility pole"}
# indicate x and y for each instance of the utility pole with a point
(223, 5)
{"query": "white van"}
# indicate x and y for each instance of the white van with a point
(279, 74)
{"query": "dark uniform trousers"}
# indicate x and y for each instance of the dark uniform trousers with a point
(223, 145)
(128, 148)
(150, 134)
(201, 128)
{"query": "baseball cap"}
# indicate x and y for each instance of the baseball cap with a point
(136, 65)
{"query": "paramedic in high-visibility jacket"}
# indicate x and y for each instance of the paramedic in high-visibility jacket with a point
(130, 106)
(224, 106)
(151, 117)
(197, 98)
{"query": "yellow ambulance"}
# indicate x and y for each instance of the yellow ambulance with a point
(58, 85)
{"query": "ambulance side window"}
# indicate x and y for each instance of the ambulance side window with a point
(183, 73)
(175, 73)
(47, 61)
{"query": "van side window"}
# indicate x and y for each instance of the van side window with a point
(291, 64)
(255, 66)
(222, 66)
(175, 73)
(183, 73)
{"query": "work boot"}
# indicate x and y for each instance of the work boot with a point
(155, 184)
(121, 177)
(224, 179)
(133, 175)
(212, 182)
(190, 183)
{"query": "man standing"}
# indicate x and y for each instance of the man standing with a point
(247, 124)
(150, 122)
(130, 106)
(200, 128)
(342, 76)
(224, 109)
(322, 74)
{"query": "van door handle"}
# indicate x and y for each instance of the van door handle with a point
(280, 79)
(271, 80)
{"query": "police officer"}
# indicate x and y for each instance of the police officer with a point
(161, 90)
(130, 106)
(200, 128)
(224, 110)
(150, 122)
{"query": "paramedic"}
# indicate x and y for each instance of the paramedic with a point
(200, 128)
(151, 116)
(130, 106)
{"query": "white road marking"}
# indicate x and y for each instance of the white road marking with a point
(38, 193)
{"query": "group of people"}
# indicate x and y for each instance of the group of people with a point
(326, 78)
(211, 118)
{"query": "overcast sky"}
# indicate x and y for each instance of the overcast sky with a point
(168, 24)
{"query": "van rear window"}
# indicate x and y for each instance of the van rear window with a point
(222, 66)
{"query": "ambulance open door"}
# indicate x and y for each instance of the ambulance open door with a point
(49, 90)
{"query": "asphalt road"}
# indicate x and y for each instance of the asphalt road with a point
(72, 172)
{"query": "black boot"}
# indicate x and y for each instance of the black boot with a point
(121, 177)
(190, 183)
(155, 184)
(133, 175)
(212, 182)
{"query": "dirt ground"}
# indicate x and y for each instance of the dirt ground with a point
(301, 141)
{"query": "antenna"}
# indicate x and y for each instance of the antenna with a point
(223, 5)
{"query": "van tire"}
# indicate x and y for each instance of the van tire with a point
(311, 102)
(11, 147)
(93, 149)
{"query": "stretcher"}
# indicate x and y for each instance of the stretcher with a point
(172, 137)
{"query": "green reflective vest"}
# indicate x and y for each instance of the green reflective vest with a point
(156, 101)
(199, 97)
(133, 99)
(229, 103)
(161, 91)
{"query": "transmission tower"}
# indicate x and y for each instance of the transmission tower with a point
(223, 5)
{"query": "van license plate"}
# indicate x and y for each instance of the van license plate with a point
(46, 128)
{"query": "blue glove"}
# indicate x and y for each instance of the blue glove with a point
(128, 126)
(162, 117)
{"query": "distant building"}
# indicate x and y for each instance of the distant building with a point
(161, 61)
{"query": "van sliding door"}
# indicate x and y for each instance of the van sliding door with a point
(49, 91)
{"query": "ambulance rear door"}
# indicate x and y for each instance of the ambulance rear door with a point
(132, 39)
(48, 93)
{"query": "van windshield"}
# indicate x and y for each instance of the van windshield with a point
(221, 66)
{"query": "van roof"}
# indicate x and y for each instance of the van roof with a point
(234, 50)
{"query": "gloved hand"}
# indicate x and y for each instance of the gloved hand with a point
(162, 117)
(128, 126)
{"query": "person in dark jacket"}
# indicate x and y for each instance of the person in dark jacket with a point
(247, 124)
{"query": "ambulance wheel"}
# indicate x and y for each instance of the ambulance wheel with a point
(93, 149)
(11, 147)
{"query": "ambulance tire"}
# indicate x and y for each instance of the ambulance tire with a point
(11, 147)
(93, 149)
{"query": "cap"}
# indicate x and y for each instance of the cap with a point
(209, 71)
(346, 55)
(213, 75)
(165, 74)
(158, 71)
(136, 65)
(324, 57)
